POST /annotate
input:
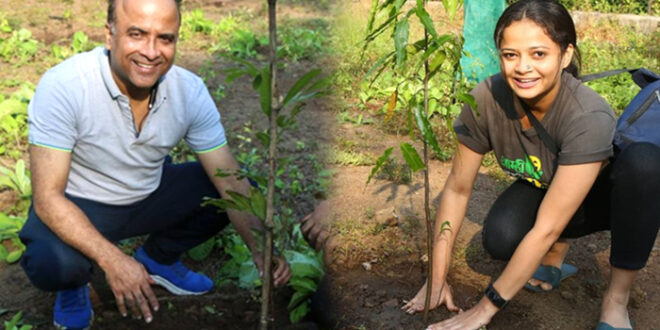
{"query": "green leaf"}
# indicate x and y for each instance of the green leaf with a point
(3, 252)
(437, 61)
(297, 314)
(299, 85)
(425, 128)
(210, 309)
(425, 18)
(6, 222)
(372, 15)
(235, 73)
(202, 251)
(302, 284)
(248, 275)
(380, 64)
(451, 6)
(303, 265)
(412, 157)
(264, 138)
(379, 163)
(468, 99)
(14, 256)
(249, 68)
(11, 107)
(296, 299)
(221, 203)
(14, 321)
(264, 91)
(258, 203)
(398, 4)
(401, 30)
(379, 30)
(242, 202)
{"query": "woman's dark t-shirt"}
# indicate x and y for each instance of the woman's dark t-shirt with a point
(580, 122)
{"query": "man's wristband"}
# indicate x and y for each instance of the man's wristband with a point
(495, 297)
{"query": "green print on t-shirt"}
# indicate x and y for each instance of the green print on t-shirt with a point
(528, 168)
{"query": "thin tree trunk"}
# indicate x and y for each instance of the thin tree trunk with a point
(266, 289)
(427, 208)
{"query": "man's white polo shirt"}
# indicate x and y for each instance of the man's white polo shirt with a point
(78, 108)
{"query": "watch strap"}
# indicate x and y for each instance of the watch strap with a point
(495, 297)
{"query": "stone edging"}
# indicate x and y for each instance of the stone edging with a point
(644, 24)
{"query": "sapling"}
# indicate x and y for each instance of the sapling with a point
(415, 63)
(272, 105)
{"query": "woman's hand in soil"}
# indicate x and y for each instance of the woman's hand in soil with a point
(472, 319)
(130, 283)
(439, 296)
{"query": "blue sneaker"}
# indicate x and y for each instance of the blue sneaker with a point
(73, 309)
(176, 278)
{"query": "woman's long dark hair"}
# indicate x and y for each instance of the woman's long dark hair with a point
(552, 17)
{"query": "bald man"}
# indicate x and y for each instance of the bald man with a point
(101, 125)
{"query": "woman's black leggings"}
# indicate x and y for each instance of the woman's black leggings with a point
(624, 199)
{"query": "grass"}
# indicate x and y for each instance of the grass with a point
(395, 171)
(606, 47)
(349, 157)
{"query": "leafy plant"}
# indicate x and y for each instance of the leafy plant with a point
(79, 43)
(195, 21)
(13, 121)
(19, 181)
(16, 323)
(10, 225)
(415, 64)
(300, 42)
(244, 43)
(306, 269)
(631, 50)
(9, 228)
(272, 105)
(18, 47)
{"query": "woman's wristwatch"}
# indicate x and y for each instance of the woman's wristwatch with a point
(495, 297)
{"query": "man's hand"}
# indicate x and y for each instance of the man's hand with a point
(281, 273)
(314, 226)
(130, 283)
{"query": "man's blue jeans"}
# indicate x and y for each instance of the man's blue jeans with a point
(171, 215)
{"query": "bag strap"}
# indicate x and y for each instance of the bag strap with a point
(604, 74)
(543, 134)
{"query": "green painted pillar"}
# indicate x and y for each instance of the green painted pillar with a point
(479, 25)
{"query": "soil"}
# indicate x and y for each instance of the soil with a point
(375, 251)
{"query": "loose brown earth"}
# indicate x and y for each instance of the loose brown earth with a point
(374, 260)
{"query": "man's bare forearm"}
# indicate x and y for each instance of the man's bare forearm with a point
(74, 228)
(50, 170)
